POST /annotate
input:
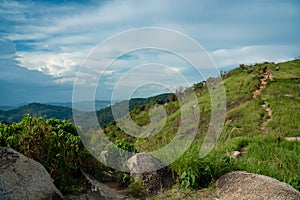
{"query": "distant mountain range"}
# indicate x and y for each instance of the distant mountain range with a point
(81, 106)
(10, 114)
(36, 110)
(84, 105)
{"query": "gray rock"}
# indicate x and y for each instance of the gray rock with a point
(23, 178)
(236, 154)
(104, 157)
(246, 186)
(289, 95)
(152, 172)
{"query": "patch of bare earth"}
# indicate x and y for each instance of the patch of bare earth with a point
(267, 75)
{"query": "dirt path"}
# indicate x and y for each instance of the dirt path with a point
(268, 110)
(267, 75)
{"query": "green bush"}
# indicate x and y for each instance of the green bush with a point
(295, 182)
(137, 189)
(54, 143)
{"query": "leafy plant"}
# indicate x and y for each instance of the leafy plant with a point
(188, 179)
(295, 182)
(124, 145)
(54, 143)
(137, 189)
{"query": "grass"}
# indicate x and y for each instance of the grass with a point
(267, 151)
(178, 193)
(283, 97)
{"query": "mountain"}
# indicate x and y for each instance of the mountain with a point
(36, 110)
(83, 105)
(64, 110)
(3, 108)
(105, 115)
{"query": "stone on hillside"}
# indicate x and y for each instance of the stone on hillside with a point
(292, 138)
(235, 154)
(23, 178)
(245, 186)
(142, 166)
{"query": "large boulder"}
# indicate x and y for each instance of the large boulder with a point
(142, 166)
(23, 178)
(242, 185)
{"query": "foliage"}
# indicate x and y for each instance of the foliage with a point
(53, 143)
(295, 182)
(123, 179)
(105, 116)
(137, 189)
(124, 145)
(188, 179)
(265, 155)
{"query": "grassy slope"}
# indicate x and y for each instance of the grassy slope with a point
(267, 152)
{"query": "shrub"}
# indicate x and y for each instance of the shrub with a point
(54, 143)
(137, 189)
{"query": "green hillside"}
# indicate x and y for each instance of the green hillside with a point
(262, 118)
(249, 127)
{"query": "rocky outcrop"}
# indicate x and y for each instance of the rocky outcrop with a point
(23, 178)
(246, 186)
(142, 166)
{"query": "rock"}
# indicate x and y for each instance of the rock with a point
(235, 154)
(104, 157)
(289, 95)
(142, 166)
(24, 178)
(292, 138)
(246, 186)
(276, 68)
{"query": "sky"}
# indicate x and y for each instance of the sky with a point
(45, 46)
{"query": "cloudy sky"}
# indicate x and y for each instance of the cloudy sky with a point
(44, 45)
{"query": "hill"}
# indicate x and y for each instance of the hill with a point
(105, 115)
(36, 110)
(56, 110)
(263, 107)
(84, 106)
(261, 124)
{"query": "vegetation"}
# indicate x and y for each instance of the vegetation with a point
(56, 145)
(105, 115)
(267, 151)
(36, 110)
(53, 143)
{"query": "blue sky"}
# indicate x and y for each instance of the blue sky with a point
(42, 44)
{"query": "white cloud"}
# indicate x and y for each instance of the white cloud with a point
(54, 64)
(55, 39)
(253, 54)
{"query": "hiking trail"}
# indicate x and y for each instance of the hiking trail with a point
(267, 75)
